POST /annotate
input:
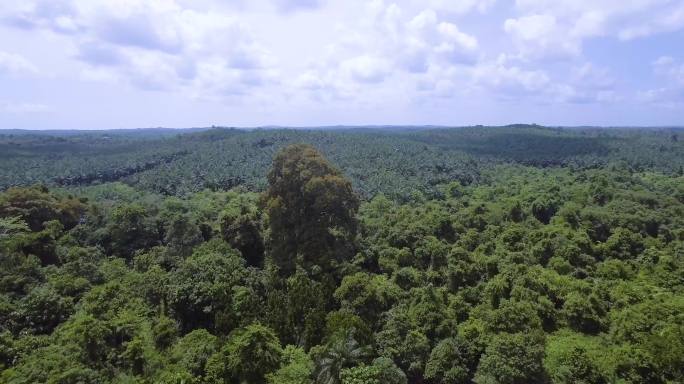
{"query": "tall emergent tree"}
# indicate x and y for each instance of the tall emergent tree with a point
(312, 211)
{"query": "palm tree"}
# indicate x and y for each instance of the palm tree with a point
(342, 353)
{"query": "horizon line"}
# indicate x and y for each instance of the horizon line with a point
(343, 126)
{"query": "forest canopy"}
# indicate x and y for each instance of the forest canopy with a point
(394, 161)
(474, 255)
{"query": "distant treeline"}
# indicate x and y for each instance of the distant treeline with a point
(396, 162)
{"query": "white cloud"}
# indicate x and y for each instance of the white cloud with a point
(551, 28)
(669, 97)
(668, 19)
(424, 56)
(295, 5)
(366, 69)
(433, 39)
(321, 54)
(389, 42)
(506, 80)
(540, 35)
(457, 6)
(509, 81)
(669, 68)
(38, 14)
(154, 45)
(13, 64)
(592, 77)
(23, 108)
(672, 93)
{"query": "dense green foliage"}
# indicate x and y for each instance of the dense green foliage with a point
(541, 268)
(394, 161)
(312, 212)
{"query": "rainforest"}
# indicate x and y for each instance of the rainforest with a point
(342, 255)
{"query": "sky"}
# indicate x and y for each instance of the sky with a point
(104, 64)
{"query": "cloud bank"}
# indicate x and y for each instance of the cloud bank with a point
(406, 61)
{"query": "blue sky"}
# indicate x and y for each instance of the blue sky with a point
(95, 64)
